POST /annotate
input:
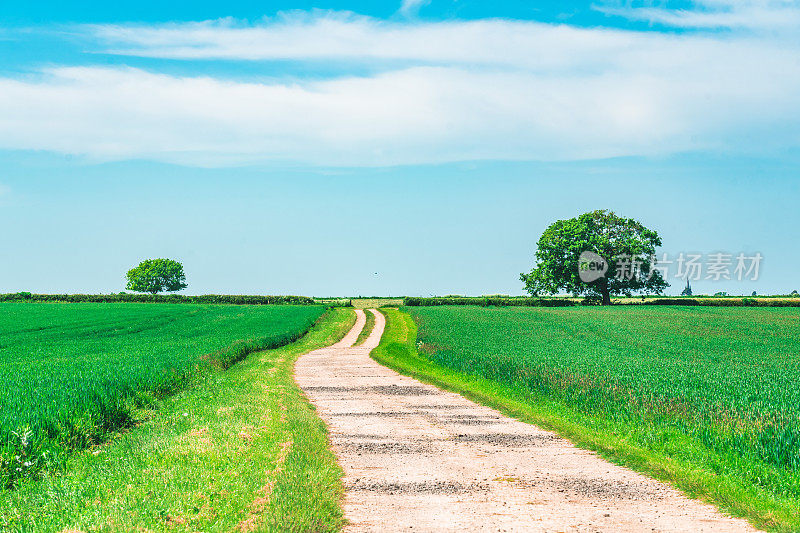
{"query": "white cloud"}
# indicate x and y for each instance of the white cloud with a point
(451, 91)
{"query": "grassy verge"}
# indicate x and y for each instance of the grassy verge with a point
(692, 470)
(240, 450)
(367, 329)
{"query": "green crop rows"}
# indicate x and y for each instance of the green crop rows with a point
(726, 378)
(70, 373)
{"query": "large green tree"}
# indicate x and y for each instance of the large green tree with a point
(626, 250)
(156, 275)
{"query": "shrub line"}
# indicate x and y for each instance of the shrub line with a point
(413, 301)
(236, 299)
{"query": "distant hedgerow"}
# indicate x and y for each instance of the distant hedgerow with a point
(237, 299)
(413, 301)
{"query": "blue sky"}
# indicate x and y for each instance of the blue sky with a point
(376, 148)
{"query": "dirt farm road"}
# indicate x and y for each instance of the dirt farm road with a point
(417, 458)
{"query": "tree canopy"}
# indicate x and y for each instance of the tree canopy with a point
(156, 275)
(618, 251)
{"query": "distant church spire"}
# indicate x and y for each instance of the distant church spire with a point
(688, 290)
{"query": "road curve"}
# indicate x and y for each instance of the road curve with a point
(417, 458)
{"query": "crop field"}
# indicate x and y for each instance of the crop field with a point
(70, 373)
(695, 382)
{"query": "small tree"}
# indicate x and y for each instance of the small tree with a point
(156, 275)
(612, 238)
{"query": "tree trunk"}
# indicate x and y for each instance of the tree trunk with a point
(606, 294)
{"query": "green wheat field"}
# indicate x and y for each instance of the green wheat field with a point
(72, 373)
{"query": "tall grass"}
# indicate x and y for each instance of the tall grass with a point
(70, 374)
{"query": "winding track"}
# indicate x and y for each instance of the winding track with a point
(417, 458)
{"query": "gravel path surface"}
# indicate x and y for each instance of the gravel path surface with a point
(417, 458)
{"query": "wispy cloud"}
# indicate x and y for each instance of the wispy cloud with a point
(410, 7)
(304, 36)
(770, 15)
(346, 36)
(449, 91)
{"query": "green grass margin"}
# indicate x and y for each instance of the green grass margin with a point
(398, 351)
(368, 325)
